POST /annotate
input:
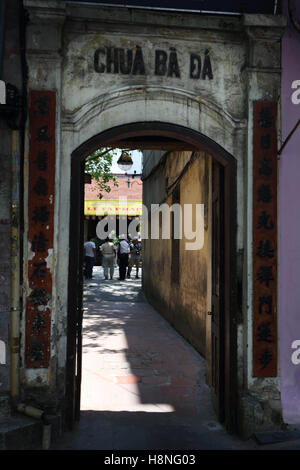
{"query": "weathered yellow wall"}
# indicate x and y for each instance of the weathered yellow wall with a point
(184, 305)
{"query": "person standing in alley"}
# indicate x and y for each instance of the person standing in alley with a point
(108, 260)
(135, 257)
(90, 255)
(123, 255)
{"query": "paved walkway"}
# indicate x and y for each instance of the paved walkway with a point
(143, 385)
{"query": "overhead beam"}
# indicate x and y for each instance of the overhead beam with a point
(154, 145)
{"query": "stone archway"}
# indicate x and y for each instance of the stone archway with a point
(194, 140)
(215, 110)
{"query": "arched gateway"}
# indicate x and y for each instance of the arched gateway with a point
(139, 79)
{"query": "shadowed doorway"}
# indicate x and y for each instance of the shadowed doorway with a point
(223, 346)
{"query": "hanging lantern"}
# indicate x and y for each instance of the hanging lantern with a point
(125, 161)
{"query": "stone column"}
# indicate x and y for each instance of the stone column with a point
(263, 76)
(43, 53)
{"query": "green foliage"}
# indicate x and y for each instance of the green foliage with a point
(98, 165)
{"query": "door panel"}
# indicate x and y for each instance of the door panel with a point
(217, 308)
(75, 288)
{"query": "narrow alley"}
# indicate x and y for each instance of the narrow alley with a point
(143, 385)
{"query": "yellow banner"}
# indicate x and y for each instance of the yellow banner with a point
(112, 207)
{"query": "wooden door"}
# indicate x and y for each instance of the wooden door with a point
(217, 309)
(75, 291)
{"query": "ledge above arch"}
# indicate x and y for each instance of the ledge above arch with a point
(153, 104)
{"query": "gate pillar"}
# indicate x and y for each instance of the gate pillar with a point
(42, 149)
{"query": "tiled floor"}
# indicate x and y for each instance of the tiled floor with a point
(143, 385)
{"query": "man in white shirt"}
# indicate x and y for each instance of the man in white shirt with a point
(123, 254)
(90, 254)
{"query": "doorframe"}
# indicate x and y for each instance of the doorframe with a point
(198, 141)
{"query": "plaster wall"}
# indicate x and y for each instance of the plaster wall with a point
(9, 193)
(289, 225)
(184, 304)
